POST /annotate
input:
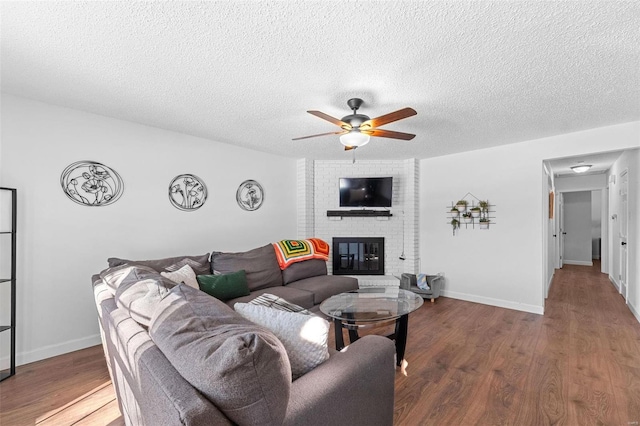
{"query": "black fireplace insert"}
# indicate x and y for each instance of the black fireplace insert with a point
(358, 256)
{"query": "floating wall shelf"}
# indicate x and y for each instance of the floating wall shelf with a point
(358, 213)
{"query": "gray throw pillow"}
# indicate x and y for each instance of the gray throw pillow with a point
(140, 292)
(199, 264)
(239, 366)
(305, 269)
(113, 277)
(260, 265)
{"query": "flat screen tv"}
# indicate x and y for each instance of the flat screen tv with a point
(366, 192)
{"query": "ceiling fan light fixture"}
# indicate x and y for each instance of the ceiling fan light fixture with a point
(354, 138)
(581, 168)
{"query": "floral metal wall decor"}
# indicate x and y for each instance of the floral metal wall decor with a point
(91, 184)
(250, 195)
(187, 192)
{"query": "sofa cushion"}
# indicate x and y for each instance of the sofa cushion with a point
(140, 292)
(306, 269)
(299, 297)
(200, 264)
(224, 286)
(304, 336)
(239, 366)
(260, 265)
(325, 286)
(183, 275)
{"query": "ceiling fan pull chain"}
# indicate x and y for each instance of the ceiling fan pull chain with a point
(354, 155)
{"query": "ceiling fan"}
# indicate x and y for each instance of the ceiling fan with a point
(358, 128)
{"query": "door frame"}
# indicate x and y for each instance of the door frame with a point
(623, 224)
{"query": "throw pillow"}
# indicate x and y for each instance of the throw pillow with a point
(422, 282)
(275, 302)
(140, 293)
(304, 337)
(225, 286)
(113, 277)
(200, 264)
(183, 275)
(239, 366)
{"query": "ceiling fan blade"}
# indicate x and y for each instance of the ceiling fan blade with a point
(389, 134)
(349, 148)
(341, 132)
(388, 118)
(331, 119)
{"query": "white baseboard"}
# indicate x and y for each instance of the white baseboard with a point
(51, 351)
(578, 262)
(634, 311)
(546, 293)
(500, 303)
(615, 283)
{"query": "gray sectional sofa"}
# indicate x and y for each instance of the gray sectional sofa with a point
(304, 283)
(178, 356)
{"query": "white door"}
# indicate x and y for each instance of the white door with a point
(624, 217)
(561, 232)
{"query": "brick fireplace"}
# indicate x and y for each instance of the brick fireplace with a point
(318, 192)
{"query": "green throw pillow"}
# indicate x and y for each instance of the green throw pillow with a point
(225, 287)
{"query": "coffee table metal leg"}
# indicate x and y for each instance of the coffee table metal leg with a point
(337, 325)
(402, 325)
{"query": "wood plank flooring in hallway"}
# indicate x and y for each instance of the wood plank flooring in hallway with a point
(468, 364)
(579, 364)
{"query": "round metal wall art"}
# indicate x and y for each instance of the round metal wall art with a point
(250, 195)
(187, 192)
(91, 184)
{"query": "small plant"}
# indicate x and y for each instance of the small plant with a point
(461, 205)
(484, 220)
(484, 223)
(455, 223)
(475, 211)
(484, 205)
(454, 211)
(467, 217)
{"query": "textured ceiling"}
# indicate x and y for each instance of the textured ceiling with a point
(479, 74)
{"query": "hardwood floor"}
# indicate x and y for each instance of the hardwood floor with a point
(468, 364)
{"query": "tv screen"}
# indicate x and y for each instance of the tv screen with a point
(366, 192)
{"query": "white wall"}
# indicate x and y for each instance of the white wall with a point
(61, 244)
(580, 182)
(505, 265)
(577, 225)
(630, 160)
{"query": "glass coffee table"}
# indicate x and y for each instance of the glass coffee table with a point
(369, 306)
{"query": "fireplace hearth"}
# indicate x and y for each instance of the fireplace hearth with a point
(358, 256)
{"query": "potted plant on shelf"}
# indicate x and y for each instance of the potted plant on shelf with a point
(484, 206)
(467, 217)
(455, 223)
(461, 205)
(475, 211)
(454, 212)
(484, 223)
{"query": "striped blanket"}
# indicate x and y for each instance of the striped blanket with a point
(289, 252)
